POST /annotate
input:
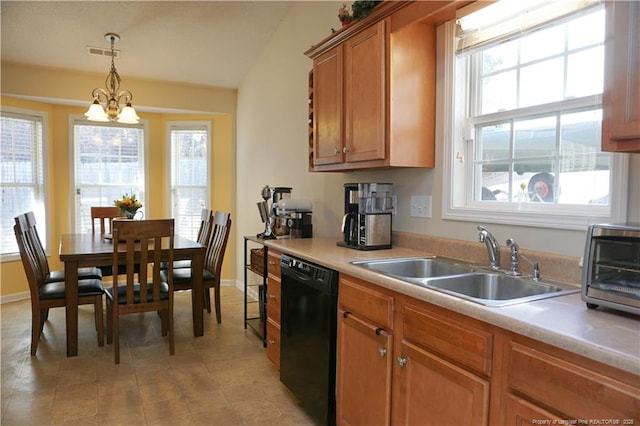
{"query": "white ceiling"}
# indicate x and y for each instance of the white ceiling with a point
(212, 43)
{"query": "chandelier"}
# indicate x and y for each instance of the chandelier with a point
(112, 96)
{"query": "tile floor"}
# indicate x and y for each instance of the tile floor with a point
(222, 378)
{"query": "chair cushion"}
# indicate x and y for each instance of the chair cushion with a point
(182, 276)
(177, 264)
(55, 290)
(83, 273)
(122, 293)
(107, 271)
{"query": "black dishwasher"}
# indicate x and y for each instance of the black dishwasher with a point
(308, 336)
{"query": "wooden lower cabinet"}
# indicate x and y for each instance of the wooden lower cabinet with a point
(365, 354)
(558, 385)
(442, 369)
(364, 372)
(522, 413)
(394, 376)
(273, 342)
(429, 390)
(402, 361)
(273, 307)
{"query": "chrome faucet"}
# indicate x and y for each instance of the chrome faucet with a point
(493, 248)
(515, 256)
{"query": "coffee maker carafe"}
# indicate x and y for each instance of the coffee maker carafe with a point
(366, 224)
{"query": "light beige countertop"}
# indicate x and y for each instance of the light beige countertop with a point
(604, 335)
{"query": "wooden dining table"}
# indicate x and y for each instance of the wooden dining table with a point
(80, 250)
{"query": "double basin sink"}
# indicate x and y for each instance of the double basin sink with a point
(468, 281)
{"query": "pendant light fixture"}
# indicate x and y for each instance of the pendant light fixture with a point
(112, 96)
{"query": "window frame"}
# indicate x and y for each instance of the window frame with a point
(44, 229)
(458, 166)
(73, 202)
(189, 125)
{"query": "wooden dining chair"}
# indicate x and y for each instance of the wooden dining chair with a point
(204, 232)
(46, 295)
(43, 262)
(216, 247)
(105, 216)
(142, 242)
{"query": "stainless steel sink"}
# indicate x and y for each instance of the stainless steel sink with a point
(493, 289)
(467, 281)
(417, 268)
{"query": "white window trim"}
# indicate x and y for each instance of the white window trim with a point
(80, 119)
(12, 257)
(186, 124)
(530, 214)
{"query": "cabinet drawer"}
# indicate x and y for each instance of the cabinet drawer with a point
(459, 342)
(273, 262)
(570, 389)
(273, 300)
(273, 343)
(375, 306)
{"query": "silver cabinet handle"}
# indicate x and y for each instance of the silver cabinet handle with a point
(336, 151)
(382, 352)
(271, 296)
(345, 150)
(402, 361)
(271, 342)
(271, 262)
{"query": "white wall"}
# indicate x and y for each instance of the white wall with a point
(272, 150)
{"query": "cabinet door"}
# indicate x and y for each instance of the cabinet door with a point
(364, 372)
(365, 95)
(273, 299)
(522, 413)
(273, 343)
(428, 390)
(571, 389)
(327, 107)
(621, 97)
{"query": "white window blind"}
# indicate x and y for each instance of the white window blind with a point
(480, 25)
(108, 163)
(189, 175)
(21, 174)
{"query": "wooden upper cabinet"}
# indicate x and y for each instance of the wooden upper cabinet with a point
(327, 107)
(621, 96)
(365, 95)
(374, 93)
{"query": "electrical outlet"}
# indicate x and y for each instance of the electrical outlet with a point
(421, 206)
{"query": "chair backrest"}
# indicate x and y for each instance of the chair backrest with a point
(28, 256)
(105, 215)
(206, 226)
(217, 243)
(150, 236)
(36, 243)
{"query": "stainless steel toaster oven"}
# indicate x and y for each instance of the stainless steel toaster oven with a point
(611, 271)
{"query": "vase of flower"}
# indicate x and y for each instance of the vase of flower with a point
(128, 205)
(129, 214)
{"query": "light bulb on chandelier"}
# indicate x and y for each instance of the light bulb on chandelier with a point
(112, 96)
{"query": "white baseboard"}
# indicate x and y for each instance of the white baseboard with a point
(14, 297)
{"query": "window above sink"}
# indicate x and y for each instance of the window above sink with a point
(525, 117)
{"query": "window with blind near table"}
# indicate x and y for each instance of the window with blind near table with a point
(22, 172)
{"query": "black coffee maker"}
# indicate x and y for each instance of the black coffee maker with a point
(350, 218)
(366, 224)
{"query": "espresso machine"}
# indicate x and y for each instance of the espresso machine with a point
(283, 216)
(366, 224)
